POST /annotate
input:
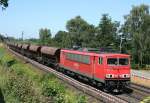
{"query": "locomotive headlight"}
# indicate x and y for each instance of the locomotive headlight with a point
(109, 75)
(128, 75)
(125, 76)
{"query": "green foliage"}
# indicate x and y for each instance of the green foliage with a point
(135, 66)
(53, 88)
(6, 60)
(1, 38)
(32, 41)
(45, 36)
(2, 52)
(26, 71)
(21, 88)
(60, 98)
(146, 100)
(62, 39)
(84, 34)
(137, 28)
(4, 3)
(80, 32)
(107, 31)
(15, 85)
(81, 99)
(47, 76)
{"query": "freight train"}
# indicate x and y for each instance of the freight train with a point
(108, 70)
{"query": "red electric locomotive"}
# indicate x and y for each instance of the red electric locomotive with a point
(111, 70)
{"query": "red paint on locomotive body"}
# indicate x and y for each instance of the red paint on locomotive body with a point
(101, 67)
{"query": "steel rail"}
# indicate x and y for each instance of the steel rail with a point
(141, 88)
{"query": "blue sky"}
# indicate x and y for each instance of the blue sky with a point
(31, 15)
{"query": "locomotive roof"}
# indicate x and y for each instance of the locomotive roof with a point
(103, 54)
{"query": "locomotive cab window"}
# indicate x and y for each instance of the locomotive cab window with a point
(100, 60)
(112, 61)
(123, 61)
(118, 61)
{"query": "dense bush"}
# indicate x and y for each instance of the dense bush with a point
(22, 89)
(138, 67)
(53, 88)
(135, 66)
(81, 99)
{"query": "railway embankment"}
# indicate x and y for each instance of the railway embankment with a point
(141, 77)
(20, 82)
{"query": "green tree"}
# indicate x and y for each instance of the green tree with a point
(67, 42)
(81, 32)
(1, 38)
(106, 32)
(62, 39)
(60, 36)
(137, 26)
(4, 3)
(126, 42)
(45, 36)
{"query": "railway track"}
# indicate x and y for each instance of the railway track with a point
(135, 93)
(141, 88)
(94, 92)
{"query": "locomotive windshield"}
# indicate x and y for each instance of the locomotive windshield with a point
(117, 61)
(123, 61)
(112, 61)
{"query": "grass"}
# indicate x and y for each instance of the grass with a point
(146, 100)
(23, 83)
